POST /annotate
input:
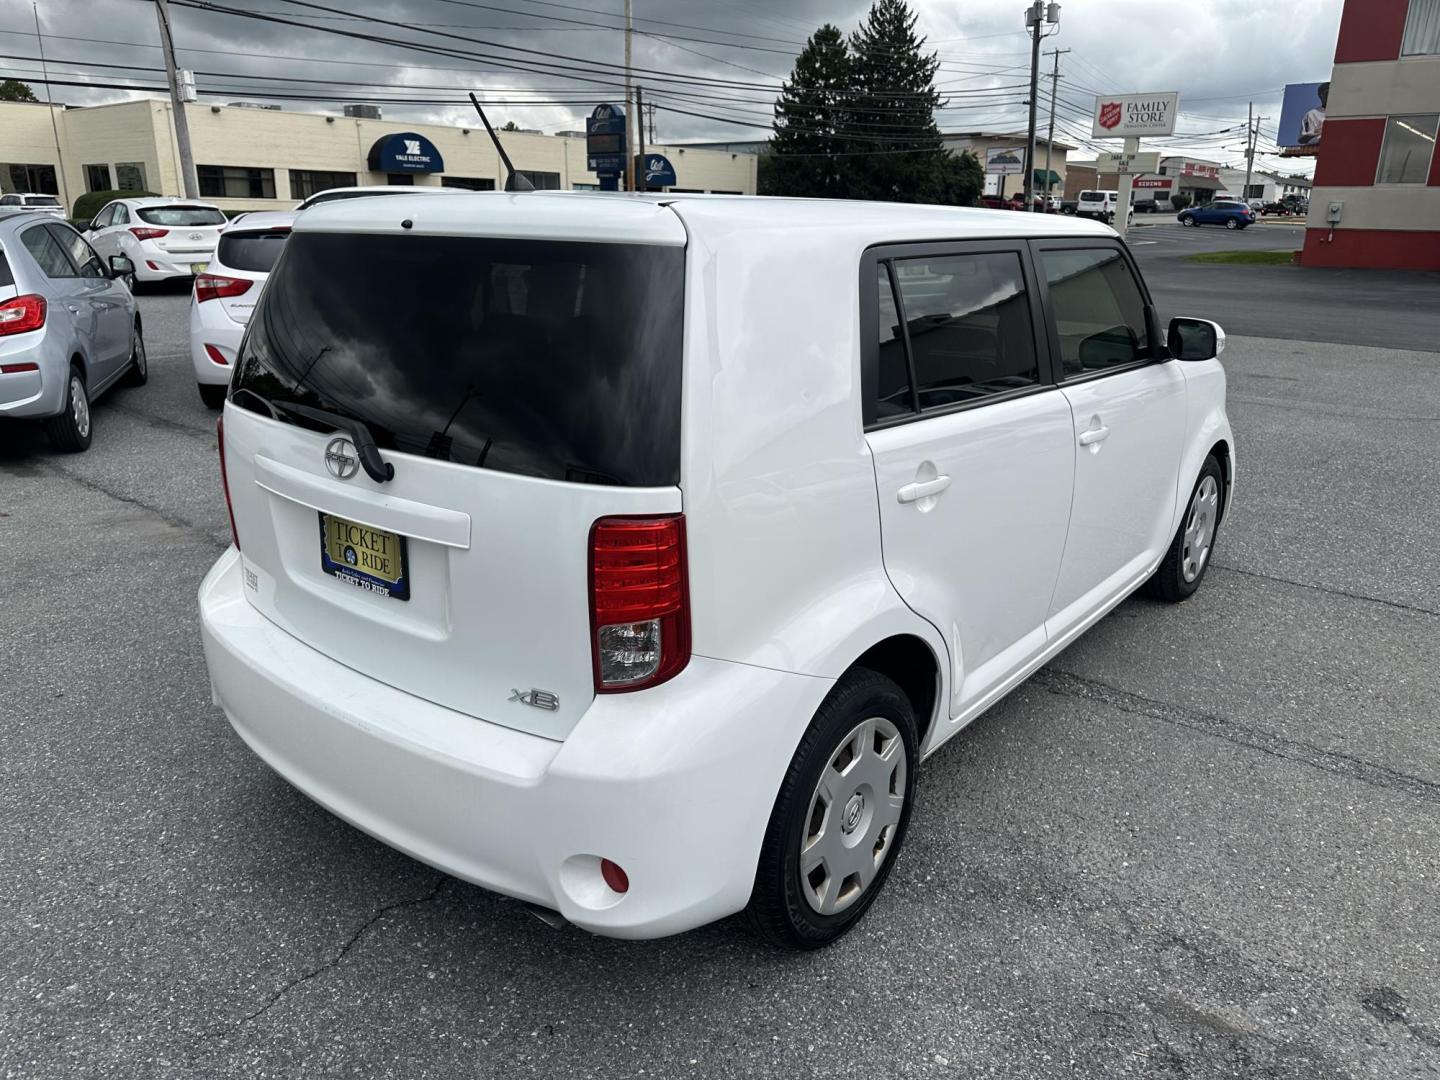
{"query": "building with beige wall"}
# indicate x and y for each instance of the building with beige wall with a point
(259, 158)
(980, 143)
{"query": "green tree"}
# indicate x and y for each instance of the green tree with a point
(510, 125)
(893, 116)
(806, 155)
(15, 90)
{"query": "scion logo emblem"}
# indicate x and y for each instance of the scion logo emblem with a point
(1110, 113)
(412, 146)
(341, 459)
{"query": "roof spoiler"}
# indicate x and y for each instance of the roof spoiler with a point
(513, 180)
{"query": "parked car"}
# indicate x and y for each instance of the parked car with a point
(1255, 204)
(1277, 208)
(25, 200)
(1101, 206)
(1298, 203)
(68, 327)
(225, 294)
(1228, 212)
(340, 194)
(164, 238)
(1069, 206)
(540, 579)
(1145, 206)
(994, 202)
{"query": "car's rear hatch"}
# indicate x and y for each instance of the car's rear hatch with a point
(518, 362)
(189, 229)
(246, 254)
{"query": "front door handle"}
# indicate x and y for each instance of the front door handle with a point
(1094, 436)
(922, 489)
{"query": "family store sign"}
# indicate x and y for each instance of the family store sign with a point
(1129, 116)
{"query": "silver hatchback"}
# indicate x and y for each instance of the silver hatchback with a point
(69, 329)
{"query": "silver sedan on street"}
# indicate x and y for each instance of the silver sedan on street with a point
(69, 329)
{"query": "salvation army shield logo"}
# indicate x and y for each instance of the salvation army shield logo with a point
(1110, 114)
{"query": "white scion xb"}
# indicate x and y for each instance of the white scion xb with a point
(627, 554)
(225, 294)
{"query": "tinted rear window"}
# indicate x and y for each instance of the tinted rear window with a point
(180, 217)
(1091, 196)
(41, 200)
(552, 359)
(253, 251)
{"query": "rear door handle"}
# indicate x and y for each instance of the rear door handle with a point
(1094, 436)
(913, 492)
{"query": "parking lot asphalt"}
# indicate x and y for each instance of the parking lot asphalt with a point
(1204, 842)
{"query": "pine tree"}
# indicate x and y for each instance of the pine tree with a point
(806, 152)
(893, 116)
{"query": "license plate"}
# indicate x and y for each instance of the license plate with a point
(368, 558)
(198, 268)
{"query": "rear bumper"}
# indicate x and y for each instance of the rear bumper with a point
(166, 266)
(675, 784)
(38, 394)
(209, 327)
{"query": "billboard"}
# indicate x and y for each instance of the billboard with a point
(1005, 160)
(1126, 116)
(1302, 115)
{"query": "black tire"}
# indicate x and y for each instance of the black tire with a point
(213, 396)
(1169, 582)
(138, 374)
(1187, 221)
(71, 433)
(1232, 224)
(779, 910)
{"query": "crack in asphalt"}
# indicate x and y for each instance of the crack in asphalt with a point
(335, 960)
(166, 516)
(164, 423)
(1325, 589)
(1069, 684)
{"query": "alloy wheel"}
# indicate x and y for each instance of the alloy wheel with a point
(1200, 528)
(854, 816)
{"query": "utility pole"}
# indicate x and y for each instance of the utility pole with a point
(188, 181)
(629, 121)
(1036, 16)
(1249, 153)
(640, 184)
(1050, 139)
(64, 192)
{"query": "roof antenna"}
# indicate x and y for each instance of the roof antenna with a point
(513, 180)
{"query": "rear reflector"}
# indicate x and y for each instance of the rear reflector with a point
(142, 233)
(22, 314)
(17, 369)
(614, 876)
(214, 286)
(225, 479)
(639, 601)
(216, 355)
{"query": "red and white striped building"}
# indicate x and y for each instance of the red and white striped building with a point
(1377, 155)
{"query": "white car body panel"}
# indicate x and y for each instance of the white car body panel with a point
(221, 322)
(399, 717)
(182, 252)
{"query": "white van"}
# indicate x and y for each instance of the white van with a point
(627, 554)
(1101, 206)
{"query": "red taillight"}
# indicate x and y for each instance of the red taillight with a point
(225, 480)
(639, 601)
(22, 314)
(142, 233)
(214, 286)
(216, 355)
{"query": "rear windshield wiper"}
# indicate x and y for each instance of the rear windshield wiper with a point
(376, 467)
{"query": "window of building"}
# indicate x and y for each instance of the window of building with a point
(40, 179)
(1422, 29)
(97, 178)
(584, 187)
(1408, 149)
(307, 182)
(235, 182)
(967, 322)
(130, 176)
(47, 252)
(542, 181)
(1099, 311)
(468, 183)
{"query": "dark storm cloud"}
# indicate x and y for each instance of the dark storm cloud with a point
(1218, 59)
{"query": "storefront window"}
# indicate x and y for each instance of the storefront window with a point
(1422, 29)
(235, 182)
(39, 179)
(1408, 149)
(468, 183)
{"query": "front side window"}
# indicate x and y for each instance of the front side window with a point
(47, 253)
(967, 320)
(81, 253)
(1422, 29)
(1098, 308)
(235, 182)
(307, 182)
(1409, 146)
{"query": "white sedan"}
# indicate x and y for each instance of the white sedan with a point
(225, 294)
(164, 238)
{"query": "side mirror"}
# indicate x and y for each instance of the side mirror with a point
(90, 226)
(1195, 339)
(121, 266)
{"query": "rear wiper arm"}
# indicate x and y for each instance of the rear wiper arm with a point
(376, 467)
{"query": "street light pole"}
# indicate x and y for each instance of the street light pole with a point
(1036, 16)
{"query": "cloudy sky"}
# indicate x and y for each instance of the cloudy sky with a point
(711, 67)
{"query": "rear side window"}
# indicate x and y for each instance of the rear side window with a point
(551, 359)
(1091, 196)
(179, 217)
(253, 251)
(6, 277)
(47, 253)
(1098, 308)
(967, 318)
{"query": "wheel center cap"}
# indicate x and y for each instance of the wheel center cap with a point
(854, 811)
